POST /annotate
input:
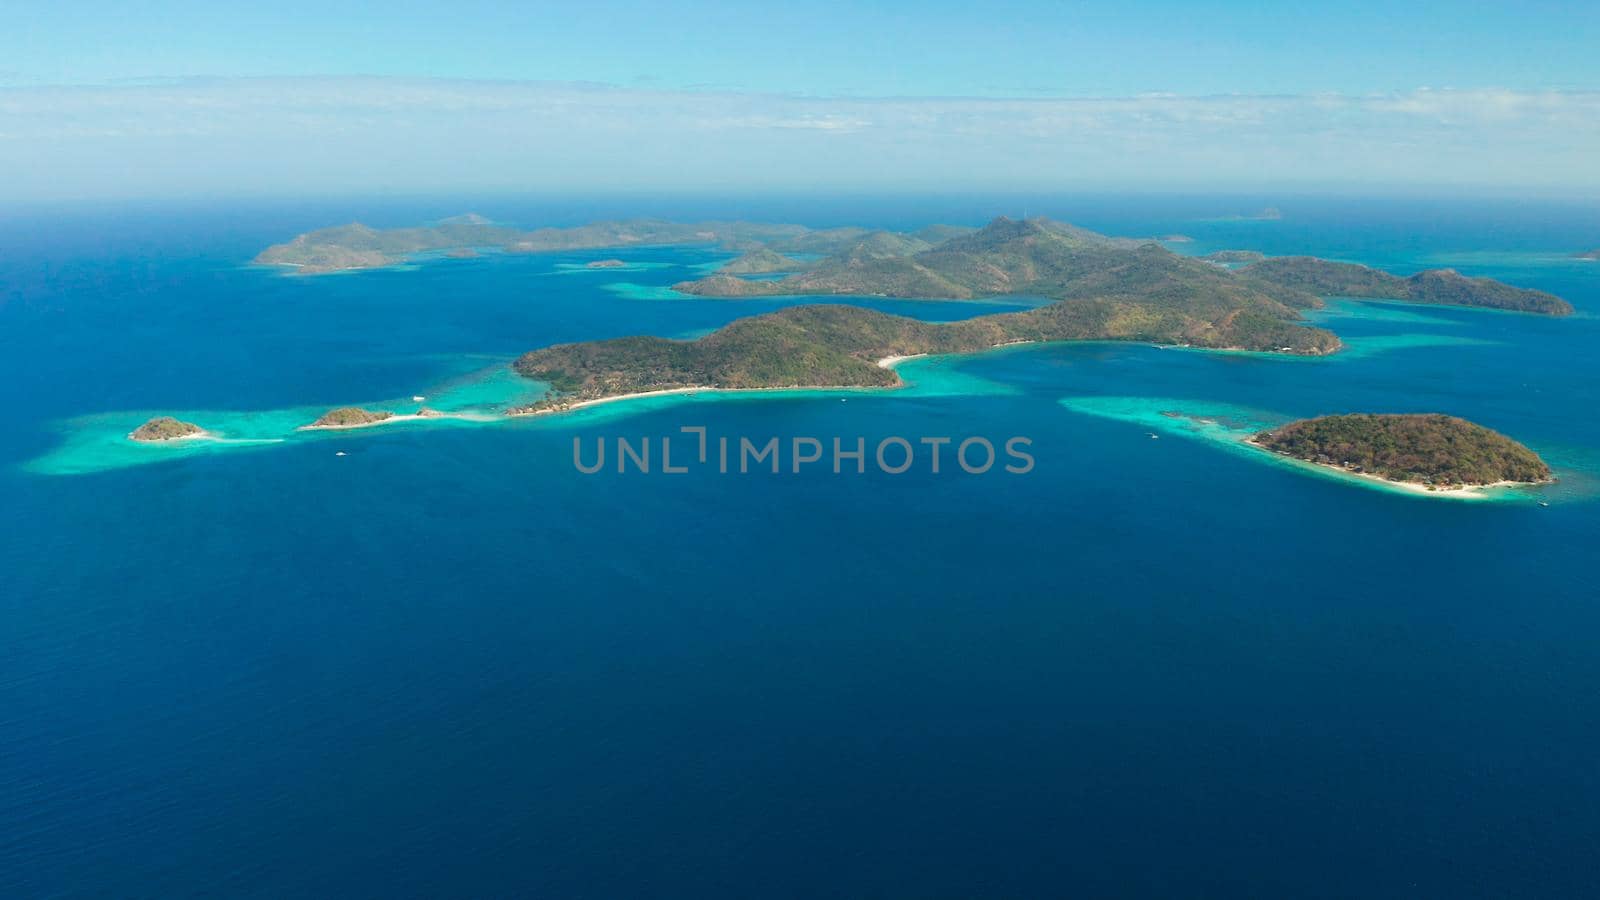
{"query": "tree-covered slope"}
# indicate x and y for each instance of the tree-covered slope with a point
(1441, 286)
(1435, 450)
(826, 345)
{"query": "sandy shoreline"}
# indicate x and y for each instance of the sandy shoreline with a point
(197, 436)
(889, 362)
(412, 417)
(1466, 492)
(696, 390)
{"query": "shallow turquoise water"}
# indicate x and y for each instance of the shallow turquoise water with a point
(448, 663)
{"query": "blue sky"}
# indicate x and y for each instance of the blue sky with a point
(999, 47)
(213, 96)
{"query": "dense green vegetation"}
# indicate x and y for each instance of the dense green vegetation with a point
(1033, 256)
(165, 428)
(839, 346)
(347, 416)
(1434, 450)
(1053, 259)
(761, 262)
(1441, 286)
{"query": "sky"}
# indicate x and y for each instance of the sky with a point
(149, 98)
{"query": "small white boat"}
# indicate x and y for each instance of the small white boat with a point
(417, 398)
(340, 453)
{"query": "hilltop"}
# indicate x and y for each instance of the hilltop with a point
(1040, 257)
(761, 262)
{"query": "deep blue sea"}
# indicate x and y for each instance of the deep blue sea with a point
(447, 663)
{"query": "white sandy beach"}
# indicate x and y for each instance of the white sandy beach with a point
(197, 436)
(411, 417)
(1465, 492)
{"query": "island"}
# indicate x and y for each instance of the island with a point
(1589, 254)
(605, 264)
(166, 428)
(825, 345)
(1425, 451)
(1040, 257)
(1434, 286)
(350, 417)
(356, 246)
(1035, 257)
(1102, 288)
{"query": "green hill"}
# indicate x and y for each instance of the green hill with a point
(761, 262)
(1431, 450)
(838, 346)
(1439, 286)
(165, 428)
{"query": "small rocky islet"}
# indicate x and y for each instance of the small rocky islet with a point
(165, 428)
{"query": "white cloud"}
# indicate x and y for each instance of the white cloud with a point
(315, 135)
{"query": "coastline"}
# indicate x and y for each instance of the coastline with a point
(1463, 492)
(399, 417)
(201, 435)
(888, 362)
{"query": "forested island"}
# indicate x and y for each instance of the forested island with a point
(1435, 452)
(1038, 257)
(827, 345)
(350, 417)
(165, 428)
(1105, 289)
(761, 262)
(1440, 286)
(1044, 258)
(1101, 288)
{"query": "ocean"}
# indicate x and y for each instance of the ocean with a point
(446, 662)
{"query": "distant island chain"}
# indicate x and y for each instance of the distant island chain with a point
(1098, 287)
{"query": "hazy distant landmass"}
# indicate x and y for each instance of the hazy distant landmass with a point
(1269, 214)
(1052, 259)
(357, 246)
(1590, 254)
(1433, 451)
